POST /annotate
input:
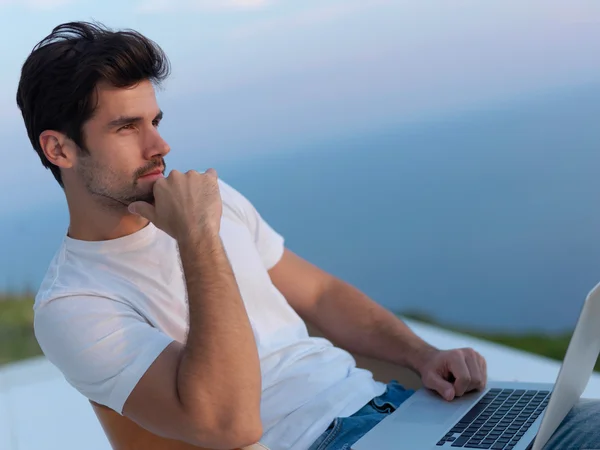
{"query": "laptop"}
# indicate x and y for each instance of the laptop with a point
(503, 416)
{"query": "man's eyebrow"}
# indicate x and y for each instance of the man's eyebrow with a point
(124, 120)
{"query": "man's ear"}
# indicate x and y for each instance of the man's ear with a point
(59, 149)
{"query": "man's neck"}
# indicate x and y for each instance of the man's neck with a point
(91, 220)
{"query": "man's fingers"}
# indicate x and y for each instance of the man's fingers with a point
(472, 361)
(453, 373)
(483, 367)
(143, 209)
(443, 387)
(212, 172)
(458, 368)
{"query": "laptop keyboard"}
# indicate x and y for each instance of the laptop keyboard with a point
(498, 420)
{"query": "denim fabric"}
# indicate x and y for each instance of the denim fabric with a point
(345, 431)
(580, 430)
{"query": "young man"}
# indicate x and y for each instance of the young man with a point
(174, 303)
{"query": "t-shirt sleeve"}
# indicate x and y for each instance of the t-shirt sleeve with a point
(102, 346)
(270, 243)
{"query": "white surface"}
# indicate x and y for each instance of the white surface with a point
(45, 413)
(5, 422)
(34, 396)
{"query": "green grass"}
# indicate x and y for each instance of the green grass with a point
(18, 342)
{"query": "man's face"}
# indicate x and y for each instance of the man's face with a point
(122, 145)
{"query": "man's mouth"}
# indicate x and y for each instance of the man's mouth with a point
(157, 171)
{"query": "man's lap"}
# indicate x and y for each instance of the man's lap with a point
(580, 430)
(345, 431)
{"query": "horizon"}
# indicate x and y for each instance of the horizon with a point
(494, 205)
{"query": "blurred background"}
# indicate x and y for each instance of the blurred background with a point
(441, 156)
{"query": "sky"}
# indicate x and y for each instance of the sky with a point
(260, 77)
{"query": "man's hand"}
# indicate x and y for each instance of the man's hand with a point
(184, 204)
(452, 373)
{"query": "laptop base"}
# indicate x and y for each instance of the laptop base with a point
(424, 420)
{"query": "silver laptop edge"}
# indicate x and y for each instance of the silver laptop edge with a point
(422, 420)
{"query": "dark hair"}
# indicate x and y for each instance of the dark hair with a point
(58, 79)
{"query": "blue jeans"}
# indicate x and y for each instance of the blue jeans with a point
(580, 430)
(345, 431)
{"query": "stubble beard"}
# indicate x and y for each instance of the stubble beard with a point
(107, 185)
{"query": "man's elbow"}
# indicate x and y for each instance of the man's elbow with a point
(231, 433)
(247, 432)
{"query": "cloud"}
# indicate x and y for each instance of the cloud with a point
(36, 5)
(160, 6)
(307, 17)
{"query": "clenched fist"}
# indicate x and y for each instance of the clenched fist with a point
(452, 373)
(184, 204)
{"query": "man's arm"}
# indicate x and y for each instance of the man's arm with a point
(207, 391)
(353, 321)
(345, 315)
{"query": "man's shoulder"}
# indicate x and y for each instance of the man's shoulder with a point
(51, 279)
(235, 204)
(230, 195)
(107, 269)
(69, 276)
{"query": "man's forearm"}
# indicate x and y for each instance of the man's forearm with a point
(356, 323)
(220, 365)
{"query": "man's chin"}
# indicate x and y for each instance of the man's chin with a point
(142, 198)
(126, 200)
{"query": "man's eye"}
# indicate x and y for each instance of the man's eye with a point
(156, 123)
(129, 126)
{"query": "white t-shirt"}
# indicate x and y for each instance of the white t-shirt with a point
(106, 310)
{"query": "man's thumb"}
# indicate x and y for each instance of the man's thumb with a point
(443, 387)
(142, 209)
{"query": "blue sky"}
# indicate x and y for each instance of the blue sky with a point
(255, 77)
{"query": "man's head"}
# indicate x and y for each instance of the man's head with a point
(87, 98)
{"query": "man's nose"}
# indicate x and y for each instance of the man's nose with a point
(156, 145)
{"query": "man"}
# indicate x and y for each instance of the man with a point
(174, 303)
